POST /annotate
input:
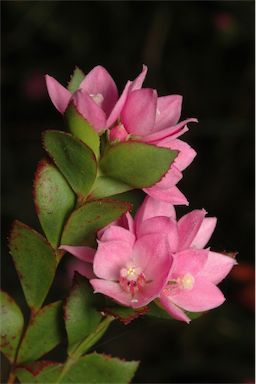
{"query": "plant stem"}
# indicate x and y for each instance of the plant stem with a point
(83, 347)
(12, 376)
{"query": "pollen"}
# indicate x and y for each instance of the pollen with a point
(97, 97)
(186, 282)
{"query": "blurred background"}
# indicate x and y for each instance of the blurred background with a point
(202, 50)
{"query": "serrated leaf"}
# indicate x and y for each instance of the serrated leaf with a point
(75, 160)
(105, 186)
(54, 200)
(96, 368)
(91, 369)
(83, 224)
(42, 334)
(39, 372)
(134, 197)
(75, 80)
(33, 258)
(137, 164)
(11, 326)
(81, 318)
(125, 314)
(80, 128)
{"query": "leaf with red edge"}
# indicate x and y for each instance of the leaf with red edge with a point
(11, 326)
(43, 333)
(54, 200)
(39, 372)
(35, 262)
(125, 314)
(83, 224)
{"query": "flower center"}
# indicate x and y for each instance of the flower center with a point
(132, 280)
(186, 282)
(97, 97)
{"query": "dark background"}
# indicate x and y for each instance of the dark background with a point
(202, 50)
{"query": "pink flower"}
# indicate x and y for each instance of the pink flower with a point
(132, 272)
(96, 98)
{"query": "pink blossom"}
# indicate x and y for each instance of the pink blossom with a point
(96, 99)
(132, 272)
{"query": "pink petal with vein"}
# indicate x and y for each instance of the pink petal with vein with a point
(172, 309)
(171, 195)
(174, 132)
(189, 261)
(90, 110)
(110, 257)
(171, 178)
(139, 112)
(204, 233)
(99, 82)
(59, 95)
(111, 289)
(202, 297)
(84, 269)
(168, 111)
(217, 267)
(114, 232)
(114, 115)
(186, 153)
(188, 226)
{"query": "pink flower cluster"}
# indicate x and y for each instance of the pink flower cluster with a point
(153, 257)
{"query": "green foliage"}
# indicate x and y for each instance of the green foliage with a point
(75, 80)
(90, 369)
(11, 326)
(105, 186)
(137, 164)
(35, 262)
(81, 318)
(75, 160)
(42, 334)
(54, 200)
(82, 130)
(83, 223)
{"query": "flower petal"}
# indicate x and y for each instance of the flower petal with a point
(171, 178)
(115, 232)
(90, 110)
(217, 267)
(59, 95)
(114, 115)
(111, 289)
(110, 257)
(162, 225)
(152, 254)
(137, 83)
(176, 312)
(126, 221)
(99, 82)
(168, 111)
(82, 252)
(186, 153)
(202, 297)
(84, 269)
(204, 233)
(188, 226)
(152, 207)
(189, 261)
(171, 195)
(175, 131)
(139, 112)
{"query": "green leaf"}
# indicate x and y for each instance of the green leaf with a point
(35, 262)
(137, 164)
(96, 368)
(81, 318)
(134, 197)
(80, 128)
(105, 186)
(156, 311)
(42, 334)
(11, 326)
(75, 160)
(83, 224)
(75, 80)
(54, 200)
(91, 369)
(39, 372)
